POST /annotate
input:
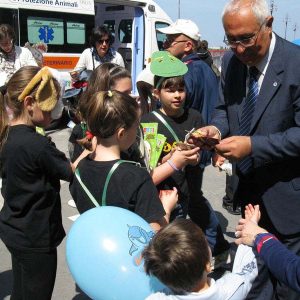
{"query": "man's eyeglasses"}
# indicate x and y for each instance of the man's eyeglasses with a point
(106, 41)
(245, 42)
(173, 42)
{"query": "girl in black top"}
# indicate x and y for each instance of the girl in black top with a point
(113, 117)
(31, 167)
(107, 76)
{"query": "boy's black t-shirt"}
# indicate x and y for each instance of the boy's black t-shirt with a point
(31, 169)
(130, 187)
(188, 120)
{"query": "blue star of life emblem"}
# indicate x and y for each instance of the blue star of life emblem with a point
(46, 34)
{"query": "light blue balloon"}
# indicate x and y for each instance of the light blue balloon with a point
(297, 42)
(103, 253)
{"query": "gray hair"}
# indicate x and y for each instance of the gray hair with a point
(259, 8)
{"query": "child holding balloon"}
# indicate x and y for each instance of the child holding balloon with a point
(105, 179)
(31, 167)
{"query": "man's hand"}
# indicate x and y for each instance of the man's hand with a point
(234, 147)
(209, 132)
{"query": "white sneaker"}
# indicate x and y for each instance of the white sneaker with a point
(72, 203)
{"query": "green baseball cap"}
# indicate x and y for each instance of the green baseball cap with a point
(164, 64)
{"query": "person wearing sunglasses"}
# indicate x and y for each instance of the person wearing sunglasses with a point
(12, 57)
(257, 120)
(100, 51)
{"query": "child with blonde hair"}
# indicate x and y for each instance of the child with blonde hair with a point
(31, 169)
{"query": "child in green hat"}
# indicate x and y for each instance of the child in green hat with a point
(174, 121)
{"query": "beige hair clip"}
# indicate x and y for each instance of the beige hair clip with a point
(46, 95)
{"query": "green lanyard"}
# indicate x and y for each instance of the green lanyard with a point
(109, 175)
(161, 118)
(83, 127)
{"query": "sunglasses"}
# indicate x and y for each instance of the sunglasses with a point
(7, 44)
(101, 42)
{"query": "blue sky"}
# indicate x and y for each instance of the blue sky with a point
(207, 15)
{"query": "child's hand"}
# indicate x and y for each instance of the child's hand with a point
(74, 75)
(252, 213)
(218, 160)
(181, 158)
(168, 156)
(168, 199)
(247, 228)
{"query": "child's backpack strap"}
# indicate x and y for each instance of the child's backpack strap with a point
(77, 174)
(162, 119)
(108, 177)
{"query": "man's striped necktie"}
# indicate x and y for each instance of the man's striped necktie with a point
(245, 164)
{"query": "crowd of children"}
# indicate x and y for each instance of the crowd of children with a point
(109, 160)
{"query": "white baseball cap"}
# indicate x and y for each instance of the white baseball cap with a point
(146, 75)
(182, 26)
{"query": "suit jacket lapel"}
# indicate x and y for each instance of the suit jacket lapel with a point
(270, 84)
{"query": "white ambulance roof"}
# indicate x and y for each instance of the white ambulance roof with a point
(68, 6)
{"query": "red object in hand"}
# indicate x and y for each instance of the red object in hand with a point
(89, 135)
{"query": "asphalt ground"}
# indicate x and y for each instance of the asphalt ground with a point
(65, 288)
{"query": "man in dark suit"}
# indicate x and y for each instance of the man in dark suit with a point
(257, 120)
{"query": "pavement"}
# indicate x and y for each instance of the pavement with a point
(65, 288)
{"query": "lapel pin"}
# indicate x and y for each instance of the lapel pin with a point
(275, 83)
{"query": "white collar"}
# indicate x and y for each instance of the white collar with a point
(262, 66)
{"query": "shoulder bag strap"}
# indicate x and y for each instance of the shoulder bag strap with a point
(162, 119)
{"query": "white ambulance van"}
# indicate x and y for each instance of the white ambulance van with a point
(65, 26)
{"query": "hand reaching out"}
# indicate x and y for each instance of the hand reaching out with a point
(200, 136)
(247, 228)
(181, 158)
(169, 200)
(234, 147)
(252, 213)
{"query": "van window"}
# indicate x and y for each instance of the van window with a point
(160, 37)
(125, 31)
(75, 33)
(111, 26)
(62, 32)
(47, 30)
